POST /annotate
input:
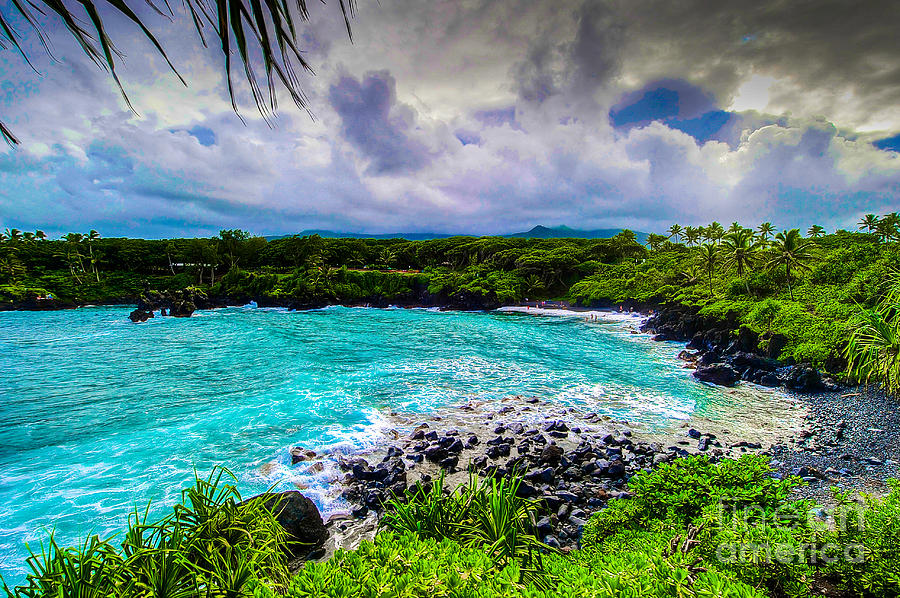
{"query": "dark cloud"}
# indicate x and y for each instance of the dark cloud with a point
(477, 117)
(373, 121)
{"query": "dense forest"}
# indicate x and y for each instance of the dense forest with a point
(811, 288)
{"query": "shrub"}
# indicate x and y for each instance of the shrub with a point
(874, 529)
(211, 545)
(487, 514)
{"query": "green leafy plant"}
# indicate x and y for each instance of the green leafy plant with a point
(488, 514)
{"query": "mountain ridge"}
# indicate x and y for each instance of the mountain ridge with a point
(536, 232)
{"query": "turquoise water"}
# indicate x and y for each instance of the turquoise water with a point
(98, 415)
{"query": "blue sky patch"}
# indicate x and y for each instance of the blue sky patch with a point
(890, 144)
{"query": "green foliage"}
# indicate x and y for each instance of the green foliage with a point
(407, 566)
(487, 514)
(678, 492)
(873, 528)
(873, 350)
(211, 545)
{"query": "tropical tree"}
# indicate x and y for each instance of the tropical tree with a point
(869, 222)
(244, 28)
(40, 235)
(716, 232)
(654, 241)
(709, 260)
(888, 228)
(873, 350)
(13, 235)
(815, 231)
(691, 235)
(741, 252)
(73, 254)
(735, 227)
(93, 258)
(3, 237)
(765, 230)
(233, 243)
(675, 231)
(793, 252)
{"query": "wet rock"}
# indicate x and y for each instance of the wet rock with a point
(299, 454)
(140, 315)
(719, 374)
(544, 475)
(436, 453)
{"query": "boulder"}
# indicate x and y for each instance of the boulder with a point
(301, 520)
(551, 454)
(298, 454)
(719, 374)
(140, 315)
(802, 378)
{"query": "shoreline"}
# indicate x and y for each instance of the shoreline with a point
(576, 461)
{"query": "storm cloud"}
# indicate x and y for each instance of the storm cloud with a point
(477, 117)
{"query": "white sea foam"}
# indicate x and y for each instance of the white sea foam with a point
(601, 315)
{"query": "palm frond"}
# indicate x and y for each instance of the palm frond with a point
(248, 28)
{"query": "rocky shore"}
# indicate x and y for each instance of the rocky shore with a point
(722, 357)
(575, 462)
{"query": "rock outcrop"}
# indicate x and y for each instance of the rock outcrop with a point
(300, 518)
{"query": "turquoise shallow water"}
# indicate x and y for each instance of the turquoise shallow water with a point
(98, 414)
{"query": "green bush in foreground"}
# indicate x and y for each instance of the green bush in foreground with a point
(488, 515)
(734, 519)
(211, 545)
(406, 566)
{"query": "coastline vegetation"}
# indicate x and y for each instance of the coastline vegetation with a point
(690, 528)
(830, 296)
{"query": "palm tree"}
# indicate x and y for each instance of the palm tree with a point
(765, 229)
(40, 235)
(888, 228)
(741, 252)
(690, 276)
(709, 259)
(654, 241)
(28, 237)
(13, 235)
(873, 350)
(691, 235)
(675, 231)
(91, 237)
(245, 28)
(3, 237)
(716, 232)
(735, 227)
(791, 251)
(815, 231)
(73, 255)
(869, 222)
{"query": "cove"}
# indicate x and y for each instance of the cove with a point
(99, 415)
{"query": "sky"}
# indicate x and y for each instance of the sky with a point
(471, 116)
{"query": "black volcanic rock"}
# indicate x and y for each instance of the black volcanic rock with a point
(719, 374)
(301, 520)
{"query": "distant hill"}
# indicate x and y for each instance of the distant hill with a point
(564, 232)
(538, 232)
